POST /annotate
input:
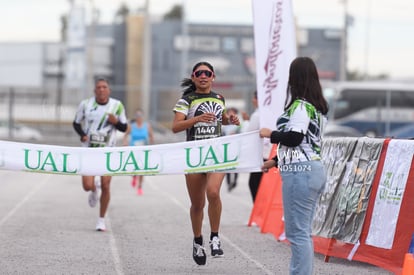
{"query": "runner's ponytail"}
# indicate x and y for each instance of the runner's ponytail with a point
(188, 86)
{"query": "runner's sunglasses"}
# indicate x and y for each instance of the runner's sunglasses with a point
(207, 73)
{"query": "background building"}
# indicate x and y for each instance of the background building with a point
(145, 63)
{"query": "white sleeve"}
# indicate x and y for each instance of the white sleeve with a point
(299, 120)
(80, 113)
(254, 122)
(182, 106)
(122, 117)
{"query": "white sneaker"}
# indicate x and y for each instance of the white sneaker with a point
(215, 246)
(94, 195)
(100, 225)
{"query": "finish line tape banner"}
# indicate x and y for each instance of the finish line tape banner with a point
(235, 153)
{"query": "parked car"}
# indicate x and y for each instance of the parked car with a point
(333, 130)
(19, 132)
(405, 132)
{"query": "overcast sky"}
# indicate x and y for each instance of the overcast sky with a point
(381, 38)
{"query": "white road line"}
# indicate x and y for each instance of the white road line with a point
(24, 200)
(228, 241)
(114, 249)
(246, 255)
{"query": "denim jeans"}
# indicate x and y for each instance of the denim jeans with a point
(302, 185)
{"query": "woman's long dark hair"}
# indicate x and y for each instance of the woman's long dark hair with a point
(187, 84)
(304, 83)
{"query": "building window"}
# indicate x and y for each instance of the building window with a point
(246, 45)
(229, 44)
(205, 44)
(302, 36)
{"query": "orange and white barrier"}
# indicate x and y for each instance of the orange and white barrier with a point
(408, 267)
(365, 212)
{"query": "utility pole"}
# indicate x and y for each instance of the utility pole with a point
(11, 112)
(90, 50)
(367, 34)
(344, 45)
(185, 38)
(60, 76)
(146, 72)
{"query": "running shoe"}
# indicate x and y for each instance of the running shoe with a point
(215, 246)
(199, 254)
(140, 192)
(100, 225)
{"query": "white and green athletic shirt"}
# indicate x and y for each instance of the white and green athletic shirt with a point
(94, 118)
(301, 117)
(195, 104)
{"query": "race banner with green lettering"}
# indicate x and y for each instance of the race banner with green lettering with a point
(236, 153)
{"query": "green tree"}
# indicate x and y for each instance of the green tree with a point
(357, 75)
(122, 13)
(176, 12)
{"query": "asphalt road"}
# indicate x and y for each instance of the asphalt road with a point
(47, 227)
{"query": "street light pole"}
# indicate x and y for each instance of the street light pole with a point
(146, 72)
(184, 34)
(90, 49)
(366, 55)
(344, 46)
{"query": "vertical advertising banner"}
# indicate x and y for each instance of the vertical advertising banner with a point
(275, 48)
